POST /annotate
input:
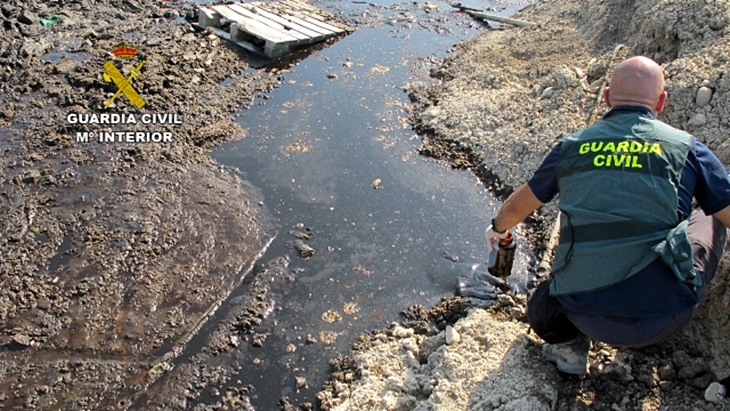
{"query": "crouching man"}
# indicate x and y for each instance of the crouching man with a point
(633, 259)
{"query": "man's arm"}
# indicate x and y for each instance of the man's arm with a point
(523, 202)
(724, 216)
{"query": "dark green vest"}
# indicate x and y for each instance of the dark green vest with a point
(618, 184)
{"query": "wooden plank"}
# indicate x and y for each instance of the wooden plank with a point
(287, 11)
(229, 36)
(301, 7)
(221, 33)
(304, 5)
(274, 50)
(208, 18)
(314, 18)
(514, 22)
(300, 25)
(252, 26)
(271, 28)
(272, 24)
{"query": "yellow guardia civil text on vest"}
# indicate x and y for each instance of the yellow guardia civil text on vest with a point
(618, 182)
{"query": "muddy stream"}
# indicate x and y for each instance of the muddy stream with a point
(367, 226)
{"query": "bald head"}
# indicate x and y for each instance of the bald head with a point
(637, 81)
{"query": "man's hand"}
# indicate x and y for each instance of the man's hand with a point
(493, 238)
(517, 206)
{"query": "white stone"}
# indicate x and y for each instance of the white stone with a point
(410, 345)
(564, 77)
(515, 313)
(402, 332)
(547, 93)
(698, 120)
(715, 392)
(585, 86)
(390, 400)
(704, 95)
(430, 8)
(597, 86)
(452, 336)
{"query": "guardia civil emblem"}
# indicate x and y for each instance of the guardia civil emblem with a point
(124, 52)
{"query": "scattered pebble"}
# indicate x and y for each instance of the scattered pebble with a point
(430, 8)
(350, 308)
(331, 316)
(402, 332)
(704, 95)
(302, 235)
(234, 340)
(301, 383)
(304, 250)
(715, 392)
(698, 120)
(22, 339)
(327, 337)
(452, 336)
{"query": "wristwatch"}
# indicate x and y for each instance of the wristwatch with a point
(494, 228)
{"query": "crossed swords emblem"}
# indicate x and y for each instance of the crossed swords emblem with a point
(124, 84)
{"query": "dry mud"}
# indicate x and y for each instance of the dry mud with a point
(503, 100)
(113, 255)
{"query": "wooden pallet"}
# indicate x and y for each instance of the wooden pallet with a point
(272, 29)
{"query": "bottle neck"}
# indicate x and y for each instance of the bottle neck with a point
(504, 242)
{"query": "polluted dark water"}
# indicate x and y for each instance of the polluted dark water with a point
(382, 227)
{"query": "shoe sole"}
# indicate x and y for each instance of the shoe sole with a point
(566, 367)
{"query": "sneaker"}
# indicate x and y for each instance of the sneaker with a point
(571, 357)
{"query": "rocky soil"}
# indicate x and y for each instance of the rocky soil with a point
(112, 256)
(504, 99)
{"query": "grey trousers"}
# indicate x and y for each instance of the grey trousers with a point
(555, 324)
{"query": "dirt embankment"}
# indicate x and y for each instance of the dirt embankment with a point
(503, 101)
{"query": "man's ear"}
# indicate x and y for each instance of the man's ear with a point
(606, 97)
(660, 104)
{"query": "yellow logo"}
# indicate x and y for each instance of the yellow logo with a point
(124, 84)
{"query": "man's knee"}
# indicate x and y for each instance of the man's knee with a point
(708, 236)
(546, 317)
